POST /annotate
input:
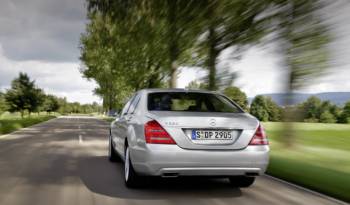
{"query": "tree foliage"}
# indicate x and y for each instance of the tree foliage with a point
(196, 85)
(327, 117)
(230, 24)
(51, 104)
(23, 95)
(311, 108)
(345, 114)
(130, 45)
(316, 110)
(274, 111)
(304, 37)
(3, 104)
(122, 49)
(238, 96)
(265, 109)
(258, 108)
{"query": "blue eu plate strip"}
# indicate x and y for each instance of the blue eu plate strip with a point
(194, 134)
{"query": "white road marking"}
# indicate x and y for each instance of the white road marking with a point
(80, 136)
(80, 139)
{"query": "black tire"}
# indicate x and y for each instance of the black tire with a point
(112, 155)
(132, 179)
(241, 181)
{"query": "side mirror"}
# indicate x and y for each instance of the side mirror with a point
(116, 116)
(113, 114)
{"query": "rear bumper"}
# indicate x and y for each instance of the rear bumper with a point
(171, 160)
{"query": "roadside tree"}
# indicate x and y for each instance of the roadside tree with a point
(23, 95)
(345, 114)
(3, 104)
(238, 96)
(51, 104)
(258, 108)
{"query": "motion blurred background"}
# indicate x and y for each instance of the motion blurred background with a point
(284, 61)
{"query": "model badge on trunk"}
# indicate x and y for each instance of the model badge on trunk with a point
(171, 123)
(212, 122)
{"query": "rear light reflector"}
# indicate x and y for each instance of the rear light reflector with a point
(259, 137)
(156, 134)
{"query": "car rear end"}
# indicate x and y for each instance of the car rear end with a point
(193, 136)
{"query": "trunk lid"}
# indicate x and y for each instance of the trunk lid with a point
(180, 126)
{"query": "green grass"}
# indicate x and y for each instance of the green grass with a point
(319, 158)
(106, 118)
(13, 122)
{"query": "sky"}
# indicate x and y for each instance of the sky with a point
(41, 38)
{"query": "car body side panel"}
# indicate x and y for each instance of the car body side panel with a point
(128, 127)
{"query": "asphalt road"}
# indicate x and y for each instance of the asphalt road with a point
(64, 161)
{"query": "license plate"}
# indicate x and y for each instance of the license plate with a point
(212, 135)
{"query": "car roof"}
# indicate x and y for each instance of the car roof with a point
(154, 90)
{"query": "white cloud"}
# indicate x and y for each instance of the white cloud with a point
(46, 30)
(188, 74)
(259, 72)
(61, 79)
(336, 80)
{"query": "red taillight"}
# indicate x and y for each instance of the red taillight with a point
(259, 137)
(156, 134)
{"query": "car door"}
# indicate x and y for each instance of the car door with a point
(132, 120)
(117, 129)
(128, 118)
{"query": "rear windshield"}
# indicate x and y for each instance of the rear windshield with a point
(190, 102)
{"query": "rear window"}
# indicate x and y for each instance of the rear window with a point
(190, 102)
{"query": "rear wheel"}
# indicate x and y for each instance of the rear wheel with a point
(241, 181)
(112, 155)
(132, 180)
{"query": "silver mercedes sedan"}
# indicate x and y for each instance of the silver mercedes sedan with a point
(178, 132)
